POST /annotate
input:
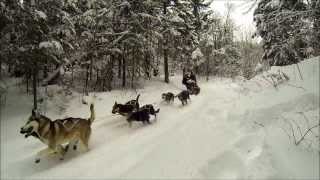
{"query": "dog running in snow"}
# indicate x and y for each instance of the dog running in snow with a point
(140, 115)
(127, 108)
(183, 96)
(58, 132)
(168, 97)
(143, 114)
(150, 109)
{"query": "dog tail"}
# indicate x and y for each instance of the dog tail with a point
(92, 115)
(137, 99)
(157, 111)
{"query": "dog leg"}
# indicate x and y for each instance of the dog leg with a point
(83, 140)
(75, 145)
(83, 146)
(66, 148)
(61, 151)
(42, 153)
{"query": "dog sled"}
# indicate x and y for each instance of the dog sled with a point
(193, 88)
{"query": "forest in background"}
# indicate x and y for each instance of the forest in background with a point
(101, 45)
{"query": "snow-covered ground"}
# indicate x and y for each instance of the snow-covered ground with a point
(233, 129)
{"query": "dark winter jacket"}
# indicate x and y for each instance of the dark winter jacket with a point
(188, 77)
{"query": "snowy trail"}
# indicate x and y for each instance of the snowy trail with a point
(151, 150)
(178, 139)
(217, 135)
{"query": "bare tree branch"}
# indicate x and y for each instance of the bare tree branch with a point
(310, 129)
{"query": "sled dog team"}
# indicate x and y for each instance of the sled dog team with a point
(76, 131)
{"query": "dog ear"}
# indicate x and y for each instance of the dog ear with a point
(115, 103)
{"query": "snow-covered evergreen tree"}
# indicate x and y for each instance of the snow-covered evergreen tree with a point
(285, 27)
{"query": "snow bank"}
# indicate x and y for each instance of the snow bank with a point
(302, 76)
(278, 112)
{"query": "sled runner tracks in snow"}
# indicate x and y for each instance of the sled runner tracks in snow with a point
(58, 132)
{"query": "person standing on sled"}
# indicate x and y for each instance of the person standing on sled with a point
(189, 80)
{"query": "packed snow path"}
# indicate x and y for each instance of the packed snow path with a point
(226, 131)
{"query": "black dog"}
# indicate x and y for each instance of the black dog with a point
(150, 109)
(126, 109)
(183, 96)
(168, 97)
(134, 102)
(141, 115)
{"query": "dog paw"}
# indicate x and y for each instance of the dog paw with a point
(37, 161)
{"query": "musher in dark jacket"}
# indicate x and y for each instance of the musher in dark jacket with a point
(189, 80)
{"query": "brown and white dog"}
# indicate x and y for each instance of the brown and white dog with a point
(58, 132)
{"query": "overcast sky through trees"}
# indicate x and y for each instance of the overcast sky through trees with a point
(242, 18)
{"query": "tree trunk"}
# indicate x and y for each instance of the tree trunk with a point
(45, 71)
(91, 67)
(72, 74)
(97, 80)
(0, 67)
(103, 80)
(28, 76)
(133, 67)
(9, 68)
(27, 84)
(124, 69)
(110, 73)
(147, 67)
(87, 79)
(119, 67)
(166, 66)
(35, 74)
(207, 68)
(165, 50)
